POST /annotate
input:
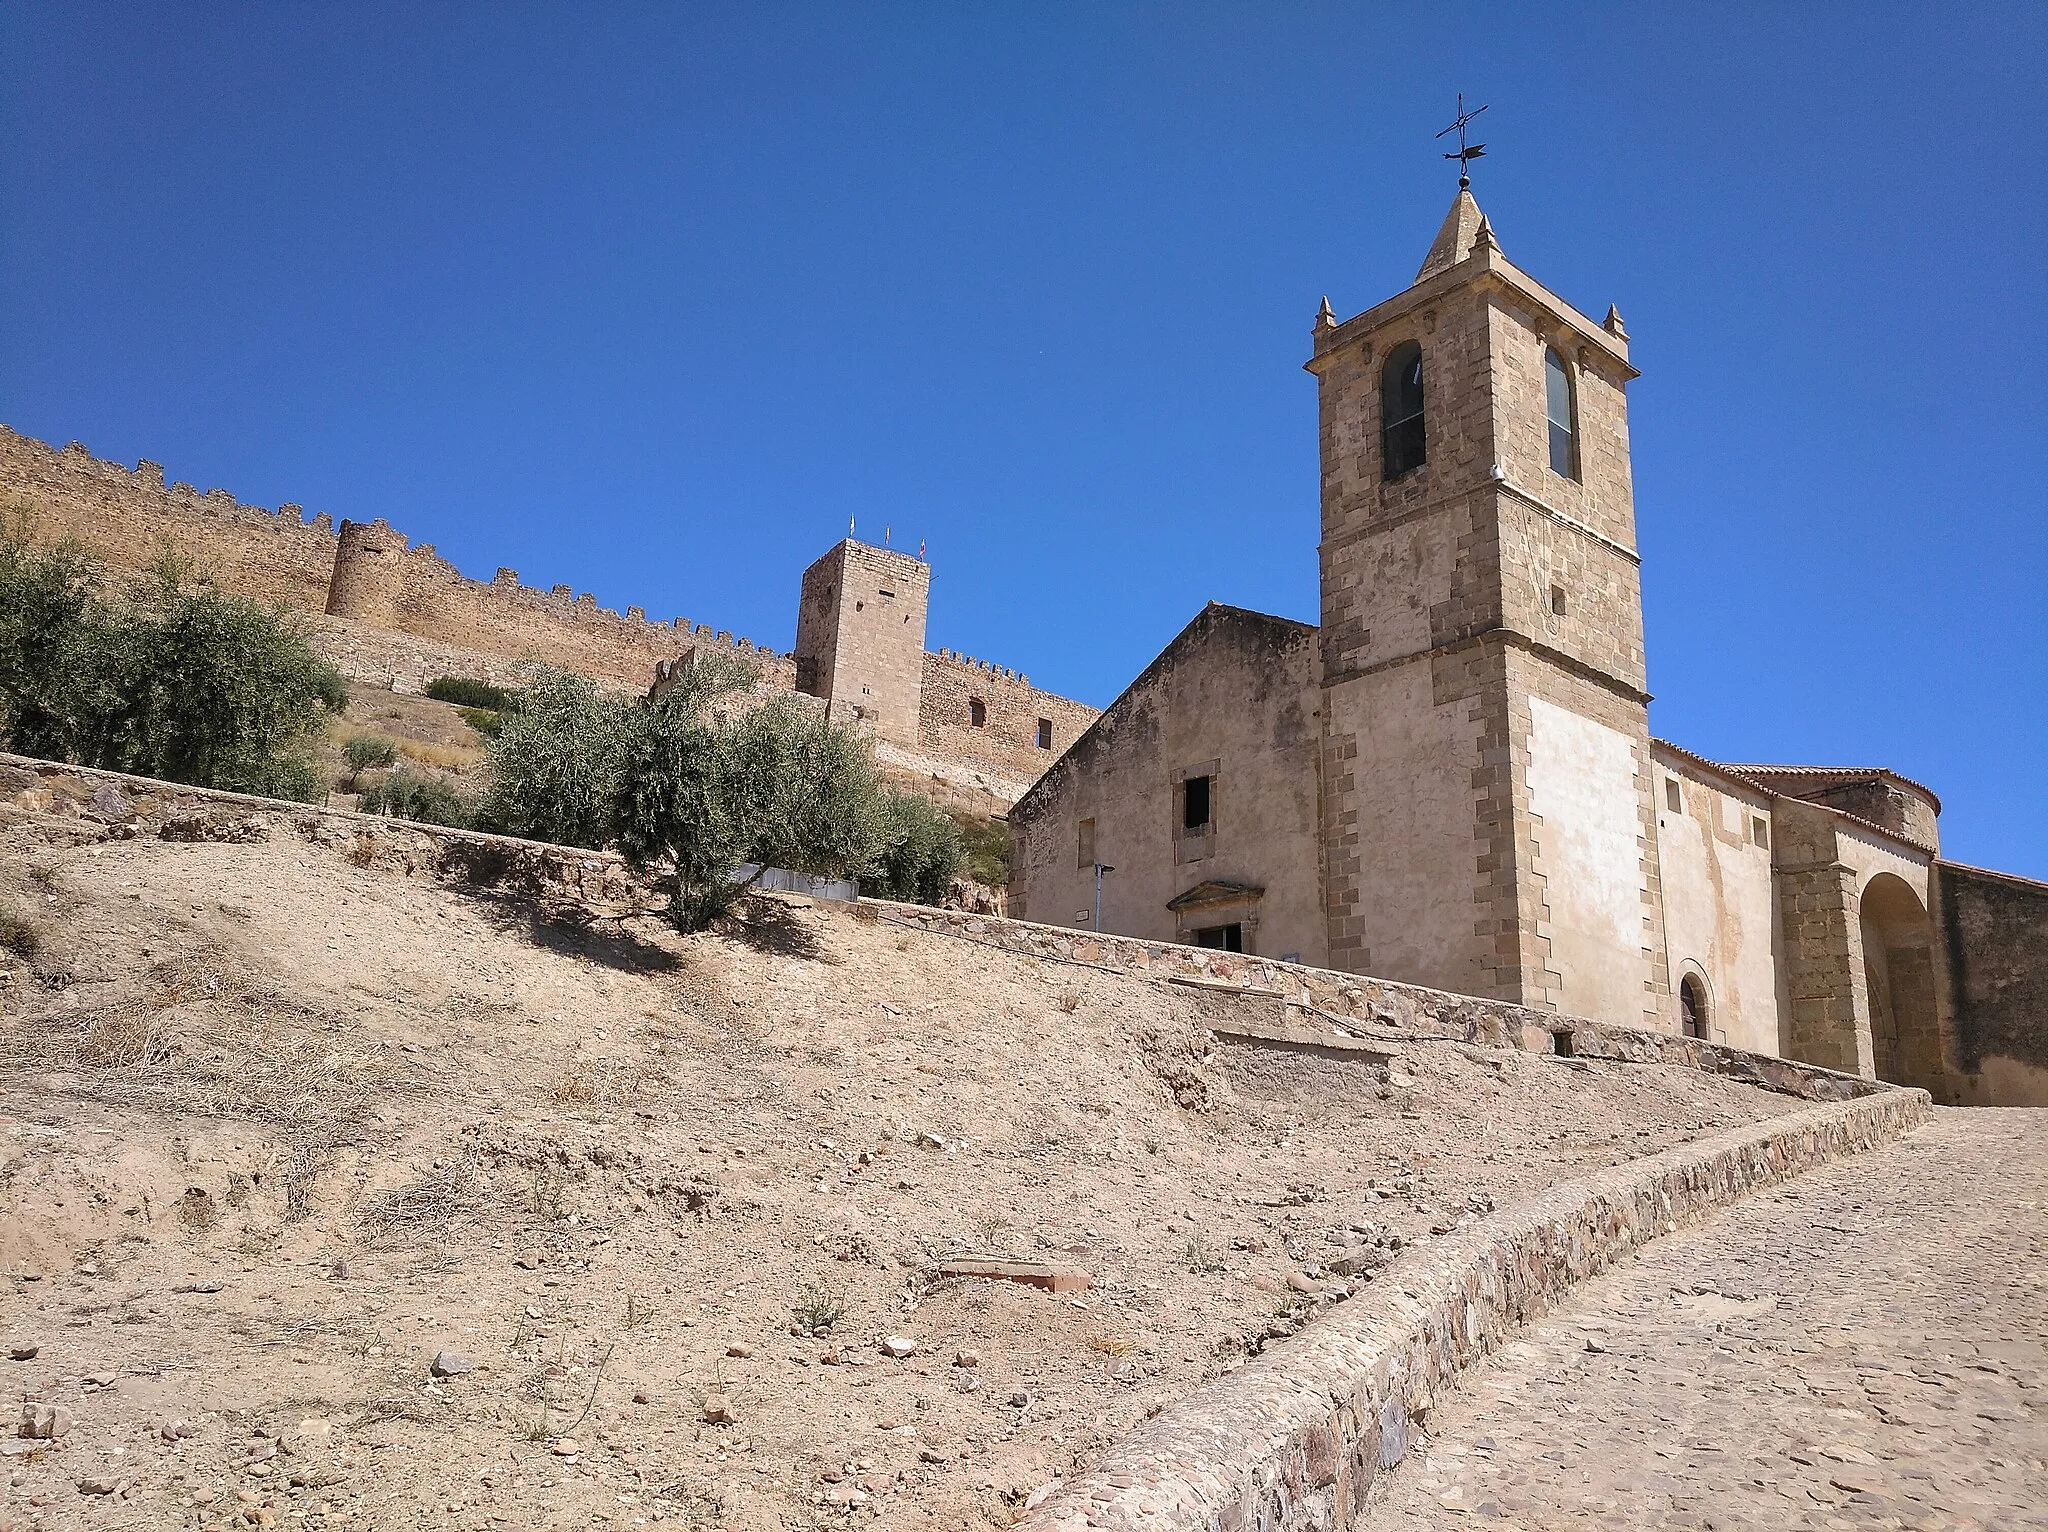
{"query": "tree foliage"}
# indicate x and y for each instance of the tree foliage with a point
(176, 680)
(706, 781)
(713, 784)
(557, 760)
(468, 691)
(416, 795)
(922, 851)
(367, 752)
(987, 844)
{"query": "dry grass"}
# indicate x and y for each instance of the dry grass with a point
(1110, 1345)
(424, 1206)
(1202, 1258)
(196, 1040)
(447, 757)
(19, 934)
(610, 1083)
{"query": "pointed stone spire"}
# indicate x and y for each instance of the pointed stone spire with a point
(1612, 324)
(1326, 317)
(1454, 240)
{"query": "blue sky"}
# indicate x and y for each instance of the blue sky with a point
(651, 298)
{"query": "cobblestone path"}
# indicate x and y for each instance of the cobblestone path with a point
(1866, 1346)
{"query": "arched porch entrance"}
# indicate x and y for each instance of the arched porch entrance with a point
(1899, 982)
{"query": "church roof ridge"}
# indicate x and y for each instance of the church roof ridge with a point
(1247, 611)
(1761, 769)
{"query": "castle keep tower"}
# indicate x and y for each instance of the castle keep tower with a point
(1489, 824)
(860, 637)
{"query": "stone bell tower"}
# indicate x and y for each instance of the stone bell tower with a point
(1489, 820)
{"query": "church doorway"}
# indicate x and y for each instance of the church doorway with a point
(1898, 982)
(1692, 1008)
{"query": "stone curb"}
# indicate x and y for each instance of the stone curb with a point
(1292, 1442)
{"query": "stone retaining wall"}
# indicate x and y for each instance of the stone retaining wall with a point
(1378, 1008)
(1383, 1008)
(121, 807)
(1294, 1440)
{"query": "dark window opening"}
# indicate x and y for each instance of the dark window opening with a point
(1557, 408)
(1403, 444)
(1557, 600)
(1561, 1044)
(1228, 938)
(977, 713)
(889, 593)
(1045, 733)
(1692, 1007)
(1194, 806)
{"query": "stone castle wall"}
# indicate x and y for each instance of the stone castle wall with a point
(1011, 709)
(390, 613)
(380, 581)
(366, 573)
(125, 517)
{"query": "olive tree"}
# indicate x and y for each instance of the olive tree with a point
(174, 680)
(715, 782)
(558, 761)
(921, 853)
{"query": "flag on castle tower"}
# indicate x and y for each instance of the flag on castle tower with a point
(920, 550)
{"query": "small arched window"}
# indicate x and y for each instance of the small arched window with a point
(1559, 408)
(1403, 447)
(977, 713)
(1692, 1007)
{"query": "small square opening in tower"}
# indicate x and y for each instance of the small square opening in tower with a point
(977, 713)
(1045, 733)
(1194, 806)
(1557, 599)
(1673, 800)
(1760, 831)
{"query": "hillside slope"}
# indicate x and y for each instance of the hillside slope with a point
(284, 1120)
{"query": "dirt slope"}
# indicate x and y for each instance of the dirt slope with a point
(280, 1127)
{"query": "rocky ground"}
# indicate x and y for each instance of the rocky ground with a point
(1866, 1346)
(284, 1124)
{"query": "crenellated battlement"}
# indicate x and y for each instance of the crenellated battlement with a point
(1003, 672)
(393, 612)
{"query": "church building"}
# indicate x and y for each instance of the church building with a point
(1451, 780)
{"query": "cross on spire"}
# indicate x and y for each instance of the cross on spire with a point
(1465, 155)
